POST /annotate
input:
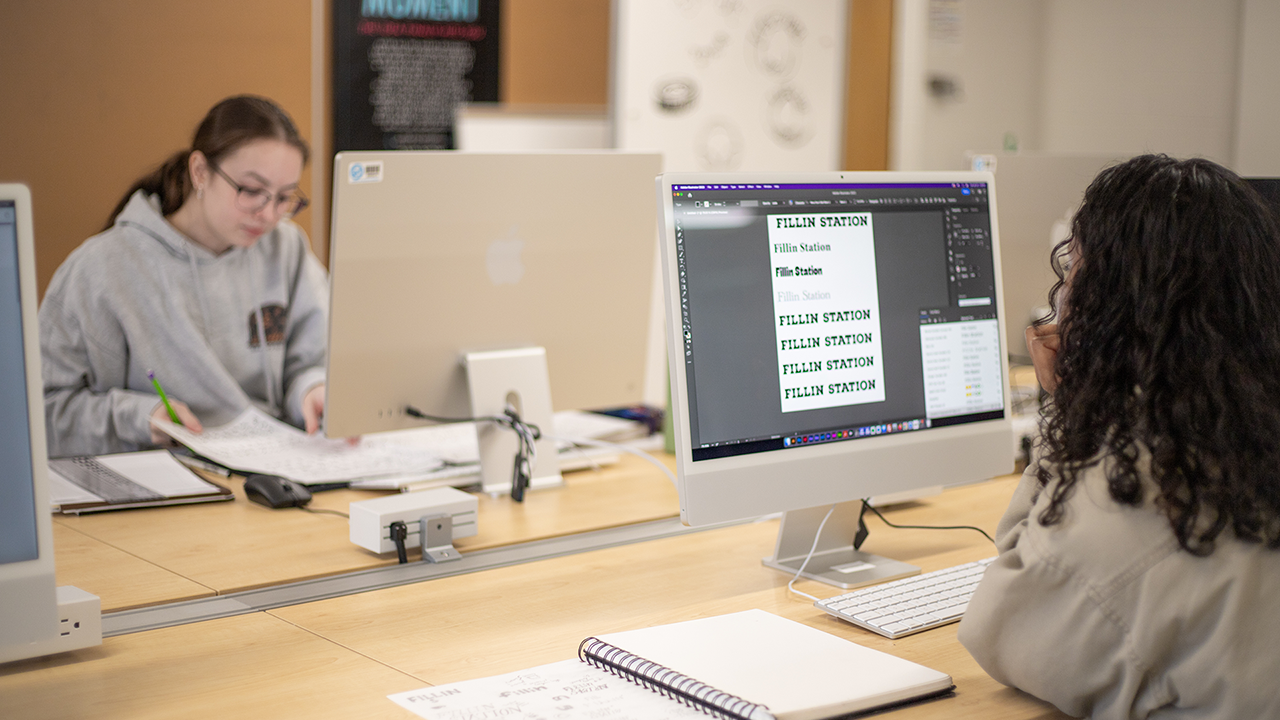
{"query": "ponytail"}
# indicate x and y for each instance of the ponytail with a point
(171, 182)
(228, 125)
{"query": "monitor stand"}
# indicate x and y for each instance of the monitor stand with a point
(518, 378)
(834, 561)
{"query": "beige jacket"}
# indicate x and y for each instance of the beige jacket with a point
(1104, 615)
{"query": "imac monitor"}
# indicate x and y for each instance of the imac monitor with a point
(1269, 189)
(28, 592)
(534, 268)
(835, 336)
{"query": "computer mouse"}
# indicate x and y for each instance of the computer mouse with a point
(275, 491)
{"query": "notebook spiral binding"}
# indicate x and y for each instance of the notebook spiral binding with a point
(667, 682)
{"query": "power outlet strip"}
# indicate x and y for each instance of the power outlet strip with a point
(79, 626)
(79, 619)
(371, 519)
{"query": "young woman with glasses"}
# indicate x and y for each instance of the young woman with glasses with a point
(200, 278)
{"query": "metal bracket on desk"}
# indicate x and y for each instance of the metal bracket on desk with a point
(436, 532)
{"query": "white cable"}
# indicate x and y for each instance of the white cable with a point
(670, 475)
(808, 557)
(625, 448)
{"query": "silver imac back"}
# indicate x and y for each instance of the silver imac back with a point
(436, 254)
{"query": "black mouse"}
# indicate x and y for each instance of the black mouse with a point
(275, 491)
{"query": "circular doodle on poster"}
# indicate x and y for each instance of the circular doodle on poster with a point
(790, 119)
(774, 44)
(731, 8)
(704, 54)
(719, 146)
(675, 95)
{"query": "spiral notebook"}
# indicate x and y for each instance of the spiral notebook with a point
(750, 665)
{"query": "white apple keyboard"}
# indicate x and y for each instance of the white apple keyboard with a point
(910, 605)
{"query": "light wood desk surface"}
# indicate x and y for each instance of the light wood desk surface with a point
(250, 666)
(121, 580)
(341, 657)
(150, 556)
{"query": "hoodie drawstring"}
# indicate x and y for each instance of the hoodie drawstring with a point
(258, 284)
(199, 288)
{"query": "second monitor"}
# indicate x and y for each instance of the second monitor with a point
(838, 336)
(436, 255)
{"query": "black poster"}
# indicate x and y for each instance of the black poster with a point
(401, 68)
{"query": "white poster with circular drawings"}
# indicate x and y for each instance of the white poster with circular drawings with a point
(722, 85)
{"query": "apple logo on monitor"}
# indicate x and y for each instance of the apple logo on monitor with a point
(502, 259)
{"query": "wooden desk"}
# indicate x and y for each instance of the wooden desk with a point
(128, 581)
(341, 657)
(227, 547)
(252, 666)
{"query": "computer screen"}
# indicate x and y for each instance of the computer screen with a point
(837, 336)
(28, 591)
(436, 254)
(1269, 189)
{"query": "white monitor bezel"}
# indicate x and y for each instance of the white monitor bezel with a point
(29, 587)
(744, 486)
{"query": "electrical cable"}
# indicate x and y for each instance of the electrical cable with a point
(399, 532)
(325, 487)
(590, 442)
(527, 435)
(807, 558)
(325, 511)
(872, 508)
(862, 535)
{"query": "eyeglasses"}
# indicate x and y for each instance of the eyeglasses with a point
(254, 199)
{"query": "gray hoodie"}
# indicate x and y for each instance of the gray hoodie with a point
(219, 331)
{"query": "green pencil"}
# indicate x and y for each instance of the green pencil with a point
(164, 398)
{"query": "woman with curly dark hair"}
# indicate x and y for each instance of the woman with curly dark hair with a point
(1138, 573)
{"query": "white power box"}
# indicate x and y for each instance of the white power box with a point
(79, 626)
(371, 519)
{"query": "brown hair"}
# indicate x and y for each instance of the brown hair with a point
(227, 126)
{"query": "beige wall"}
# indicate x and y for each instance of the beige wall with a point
(94, 94)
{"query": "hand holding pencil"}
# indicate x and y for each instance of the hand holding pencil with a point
(176, 410)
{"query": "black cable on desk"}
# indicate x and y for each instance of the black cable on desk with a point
(526, 433)
(868, 506)
(324, 511)
(399, 532)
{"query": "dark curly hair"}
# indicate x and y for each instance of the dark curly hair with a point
(1170, 343)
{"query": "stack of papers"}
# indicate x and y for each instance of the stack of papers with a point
(416, 458)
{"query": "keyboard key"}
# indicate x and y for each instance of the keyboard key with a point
(910, 605)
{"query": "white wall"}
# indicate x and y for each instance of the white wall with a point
(991, 50)
(908, 89)
(1131, 76)
(1119, 77)
(1257, 142)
